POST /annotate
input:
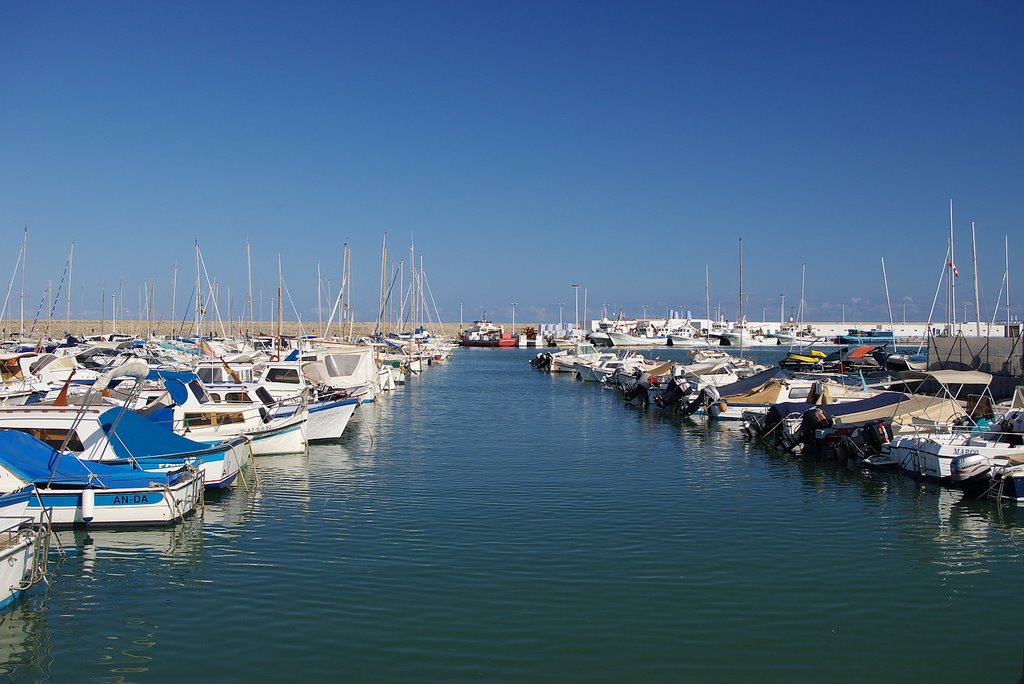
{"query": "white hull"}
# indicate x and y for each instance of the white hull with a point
(17, 561)
(328, 422)
(625, 340)
(287, 438)
(137, 506)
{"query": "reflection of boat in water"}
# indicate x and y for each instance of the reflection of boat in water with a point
(25, 643)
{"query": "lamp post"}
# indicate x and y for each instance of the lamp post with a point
(576, 289)
(644, 307)
(513, 319)
(782, 310)
(560, 305)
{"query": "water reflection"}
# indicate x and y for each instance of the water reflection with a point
(26, 647)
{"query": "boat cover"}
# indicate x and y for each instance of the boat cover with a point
(756, 380)
(137, 437)
(878, 401)
(37, 462)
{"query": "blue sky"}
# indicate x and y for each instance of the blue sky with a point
(523, 147)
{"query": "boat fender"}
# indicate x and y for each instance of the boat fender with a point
(652, 381)
(275, 357)
(88, 504)
(723, 406)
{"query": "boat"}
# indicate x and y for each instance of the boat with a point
(81, 492)
(644, 334)
(742, 335)
(225, 411)
(483, 333)
(24, 543)
(874, 336)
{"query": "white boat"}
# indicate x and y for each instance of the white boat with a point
(742, 335)
(225, 411)
(23, 546)
(644, 334)
(80, 492)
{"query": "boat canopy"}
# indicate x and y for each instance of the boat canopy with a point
(137, 437)
(34, 461)
(950, 377)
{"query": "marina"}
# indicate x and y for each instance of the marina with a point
(592, 539)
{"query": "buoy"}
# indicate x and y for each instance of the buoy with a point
(88, 504)
(722, 406)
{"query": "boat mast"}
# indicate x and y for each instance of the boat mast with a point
(888, 304)
(803, 279)
(382, 301)
(319, 304)
(1006, 253)
(174, 297)
(196, 330)
(707, 293)
(24, 256)
(977, 296)
(741, 319)
(279, 306)
(952, 274)
(67, 295)
(248, 261)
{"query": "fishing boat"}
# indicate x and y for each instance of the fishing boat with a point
(81, 492)
(483, 333)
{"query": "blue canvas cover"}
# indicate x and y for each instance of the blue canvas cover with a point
(841, 409)
(137, 437)
(34, 461)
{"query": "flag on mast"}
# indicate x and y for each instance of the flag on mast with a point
(954, 269)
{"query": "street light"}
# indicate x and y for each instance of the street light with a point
(513, 318)
(644, 307)
(560, 305)
(576, 289)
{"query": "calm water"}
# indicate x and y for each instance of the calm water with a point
(492, 523)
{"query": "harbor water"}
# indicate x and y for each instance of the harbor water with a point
(489, 522)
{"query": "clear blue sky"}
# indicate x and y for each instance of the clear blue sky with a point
(523, 146)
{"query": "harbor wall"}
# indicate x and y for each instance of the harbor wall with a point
(1003, 357)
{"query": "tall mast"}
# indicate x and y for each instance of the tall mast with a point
(319, 304)
(24, 257)
(381, 304)
(248, 261)
(977, 296)
(152, 293)
(279, 307)
(1006, 253)
(707, 292)
(196, 328)
(888, 304)
(174, 297)
(67, 296)
(803, 279)
(952, 274)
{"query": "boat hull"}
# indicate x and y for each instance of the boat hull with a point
(327, 420)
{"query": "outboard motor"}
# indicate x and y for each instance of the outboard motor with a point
(875, 434)
(814, 419)
(972, 473)
(675, 390)
(636, 391)
(542, 361)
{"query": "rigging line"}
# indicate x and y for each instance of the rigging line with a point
(209, 286)
(14, 274)
(181, 328)
(302, 330)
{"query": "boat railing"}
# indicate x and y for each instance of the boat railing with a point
(17, 530)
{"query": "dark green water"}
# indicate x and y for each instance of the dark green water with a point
(492, 523)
